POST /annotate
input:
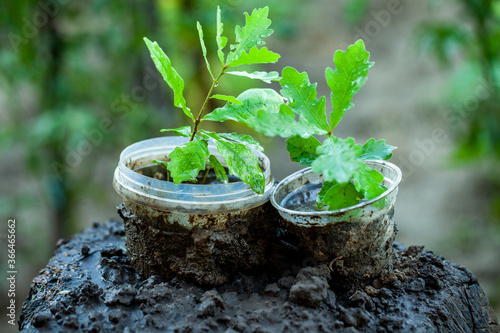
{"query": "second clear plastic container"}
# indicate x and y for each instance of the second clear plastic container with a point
(355, 241)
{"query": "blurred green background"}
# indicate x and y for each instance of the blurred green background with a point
(77, 86)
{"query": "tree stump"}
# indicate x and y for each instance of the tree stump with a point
(89, 286)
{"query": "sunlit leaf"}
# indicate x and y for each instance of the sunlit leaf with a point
(219, 170)
(226, 98)
(252, 101)
(338, 196)
(301, 95)
(338, 159)
(282, 123)
(170, 75)
(203, 47)
(302, 150)
(348, 77)
(252, 34)
(376, 150)
(247, 140)
(182, 131)
(187, 160)
(367, 181)
(242, 163)
(255, 56)
(221, 40)
(263, 76)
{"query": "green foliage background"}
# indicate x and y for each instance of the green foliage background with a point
(77, 80)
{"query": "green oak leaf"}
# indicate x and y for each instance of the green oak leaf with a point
(367, 181)
(337, 159)
(263, 76)
(221, 40)
(302, 150)
(247, 140)
(227, 98)
(207, 135)
(301, 95)
(161, 162)
(256, 28)
(203, 47)
(282, 123)
(242, 163)
(219, 170)
(182, 131)
(350, 75)
(252, 101)
(187, 160)
(338, 196)
(255, 56)
(376, 150)
(170, 75)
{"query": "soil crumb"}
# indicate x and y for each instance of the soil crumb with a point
(89, 286)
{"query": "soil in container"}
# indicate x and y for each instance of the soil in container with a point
(159, 171)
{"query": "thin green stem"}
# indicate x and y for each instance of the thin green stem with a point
(215, 82)
(205, 177)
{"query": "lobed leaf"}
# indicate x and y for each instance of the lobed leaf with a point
(170, 75)
(282, 123)
(255, 56)
(182, 131)
(376, 150)
(161, 162)
(348, 77)
(302, 98)
(338, 196)
(221, 40)
(242, 163)
(187, 160)
(252, 34)
(227, 98)
(252, 101)
(367, 181)
(337, 159)
(302, 150)
(247, 140)
(263, 76)
(203, 47)
(219, 170)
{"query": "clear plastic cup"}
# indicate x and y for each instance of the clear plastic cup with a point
(204, 233)
(355, 241)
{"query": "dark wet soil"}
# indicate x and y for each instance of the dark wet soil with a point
(89, 286)
(209, 255)
(207, 177)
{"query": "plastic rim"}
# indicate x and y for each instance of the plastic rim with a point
(304, 171)
(166, 196)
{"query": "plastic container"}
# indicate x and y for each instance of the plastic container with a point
(189, 230)
(355, 241)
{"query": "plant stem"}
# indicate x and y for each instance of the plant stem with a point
(205, 177)
(215, 82)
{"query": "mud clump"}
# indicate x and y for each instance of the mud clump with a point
(79, 291)
(311, 286)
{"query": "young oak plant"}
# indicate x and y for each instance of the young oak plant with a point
(187, 160)
(341, 161)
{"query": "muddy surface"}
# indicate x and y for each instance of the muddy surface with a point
(89, 286)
